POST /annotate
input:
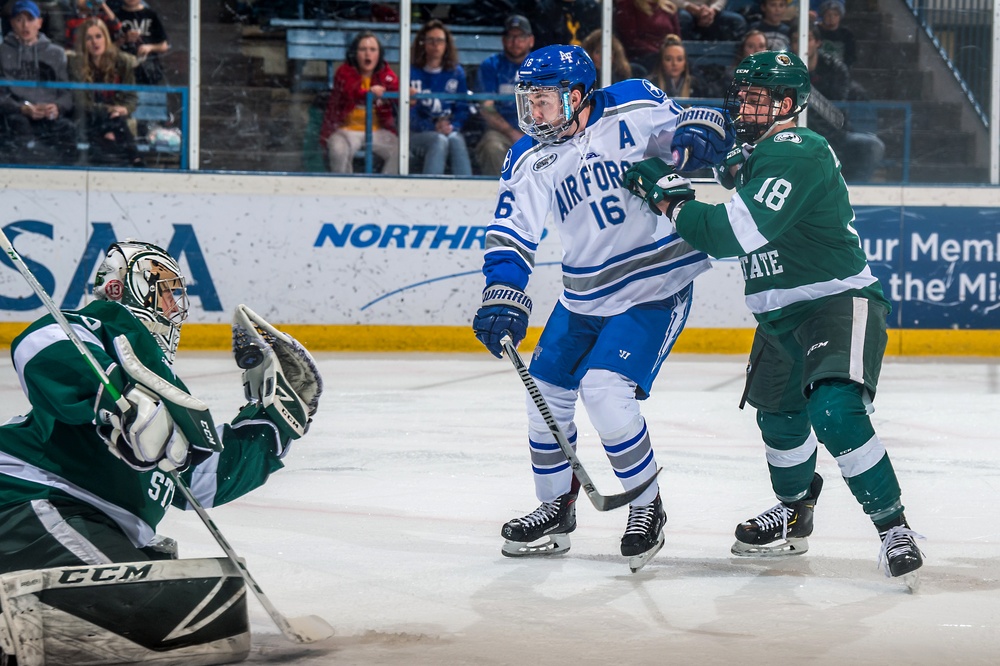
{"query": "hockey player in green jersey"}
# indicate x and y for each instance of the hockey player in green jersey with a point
(821, 314)
(81, 482)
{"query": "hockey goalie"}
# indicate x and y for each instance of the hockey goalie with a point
(84, 578)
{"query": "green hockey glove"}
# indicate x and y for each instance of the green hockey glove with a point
(655, 181)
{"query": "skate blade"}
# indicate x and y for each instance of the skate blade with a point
(637, 562)
(912, 581)
(784, 549)
(554, 544)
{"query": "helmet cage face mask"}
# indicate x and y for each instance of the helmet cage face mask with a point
(147, 281)
(553, 106)
(765, 103)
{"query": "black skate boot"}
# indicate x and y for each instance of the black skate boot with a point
(554, 520)
(790, 521)
(643, 536)
(899, 552)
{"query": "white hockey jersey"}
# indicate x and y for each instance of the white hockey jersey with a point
(616, 253)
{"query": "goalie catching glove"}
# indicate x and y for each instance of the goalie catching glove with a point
(703, 138)
(278, 374)
(654, 181)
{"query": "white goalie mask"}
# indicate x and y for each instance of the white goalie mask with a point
(147, 281)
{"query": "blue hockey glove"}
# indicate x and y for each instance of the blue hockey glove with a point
(703, 137)
(504, 311)
(654, 181)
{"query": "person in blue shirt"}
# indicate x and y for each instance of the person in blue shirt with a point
(436, 123)
(497, 74)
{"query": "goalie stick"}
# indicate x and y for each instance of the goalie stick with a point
(307, 629)
(600, 502)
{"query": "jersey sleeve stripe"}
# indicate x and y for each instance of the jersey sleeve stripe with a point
(495, 234)
(743, 225)
(36, 341)
(774, 299)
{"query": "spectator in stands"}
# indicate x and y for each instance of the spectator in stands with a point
(641, 25)
(621, 69)
(86, 9)
(145, 38)
(717, 78)
(497, 74)
(563, 21)
(35, 120)
(709, 19)
(436, 123)
(776, 31)
(343, 131)
(105, 113)
(837, 40)
(673, 74)
(860, 152)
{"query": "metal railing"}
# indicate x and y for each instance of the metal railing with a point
(962, 32)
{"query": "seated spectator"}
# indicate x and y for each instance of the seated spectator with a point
(621, 69)
(641, 25)
(673, 74)
(86, 9)
(343, 131)
(776, 31)
(36, 124)
(145, 38)
(563, 21)
(860, 152)
(837, 40)
(717, 78)
(497, 74)
(436, 123)
(709, 19)
(105, 113)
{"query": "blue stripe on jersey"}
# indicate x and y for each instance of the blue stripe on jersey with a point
(522, 149)
(580, 270)
(641, 275)
(507, 231)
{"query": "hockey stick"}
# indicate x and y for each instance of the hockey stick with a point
(306, 629)
(600, 502)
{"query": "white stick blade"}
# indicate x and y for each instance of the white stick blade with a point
(307, 629)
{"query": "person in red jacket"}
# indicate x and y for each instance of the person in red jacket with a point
(641, 26)
(343, 131)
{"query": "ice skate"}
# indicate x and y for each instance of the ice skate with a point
(544, 531)
(791, 522)
(900, 555)
(643, 536)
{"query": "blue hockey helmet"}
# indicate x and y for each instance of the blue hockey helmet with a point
(542, 92)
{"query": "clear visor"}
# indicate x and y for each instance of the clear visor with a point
(543, 112)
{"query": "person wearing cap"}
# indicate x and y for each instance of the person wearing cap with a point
(837, 40)
(34, 117)
(497, 74)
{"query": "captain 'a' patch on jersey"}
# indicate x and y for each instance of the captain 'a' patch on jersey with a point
(615, 252)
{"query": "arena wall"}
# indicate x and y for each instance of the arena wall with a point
(362, 264)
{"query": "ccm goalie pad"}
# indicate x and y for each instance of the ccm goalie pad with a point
(191, 612)
(278, 372)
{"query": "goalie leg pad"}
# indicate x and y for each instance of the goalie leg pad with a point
(173, 611)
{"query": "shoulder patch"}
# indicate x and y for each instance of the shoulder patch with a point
(653, 90)
(787, 136)
(545, 162)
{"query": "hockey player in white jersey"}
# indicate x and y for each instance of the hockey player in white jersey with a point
(627, 284)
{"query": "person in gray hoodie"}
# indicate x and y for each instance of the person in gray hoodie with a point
(36, 121)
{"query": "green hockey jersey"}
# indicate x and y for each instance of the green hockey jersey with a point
(55, 452)
(790, 224)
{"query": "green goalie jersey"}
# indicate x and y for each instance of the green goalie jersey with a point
(790, 224)
(55, 452)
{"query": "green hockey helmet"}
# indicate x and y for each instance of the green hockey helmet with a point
(147, 281)
(766, 79)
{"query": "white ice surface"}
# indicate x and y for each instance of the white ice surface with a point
(386, 523)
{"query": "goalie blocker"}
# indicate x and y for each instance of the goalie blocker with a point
(190, 612)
